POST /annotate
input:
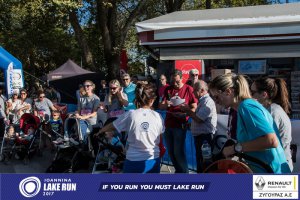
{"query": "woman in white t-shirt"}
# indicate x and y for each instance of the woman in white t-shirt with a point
(144, 127)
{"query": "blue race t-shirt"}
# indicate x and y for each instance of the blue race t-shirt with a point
(130, 91)
(255, 121)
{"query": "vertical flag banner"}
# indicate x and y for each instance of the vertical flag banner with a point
(14, 80)
(13, 73)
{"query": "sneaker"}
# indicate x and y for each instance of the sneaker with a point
(58, 141)
(74, 141)
(17, 156)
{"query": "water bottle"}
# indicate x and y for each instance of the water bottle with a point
(66, 139)
(206, 154)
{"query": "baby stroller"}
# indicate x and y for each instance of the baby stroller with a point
(72, 154)
(232, 166)
(8, 143)
(27, 142)
(111, 153)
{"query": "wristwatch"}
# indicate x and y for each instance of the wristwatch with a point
(238, 148)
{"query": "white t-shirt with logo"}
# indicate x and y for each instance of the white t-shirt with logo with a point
(144, 127)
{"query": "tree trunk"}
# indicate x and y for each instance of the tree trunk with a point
(208, 4)
(173, 5)
(113, 43)
(88, 56)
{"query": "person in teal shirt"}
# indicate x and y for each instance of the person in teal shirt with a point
(129, 90)
(257, 133)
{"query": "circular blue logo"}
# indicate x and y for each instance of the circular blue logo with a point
(29, 187)
(145, 126)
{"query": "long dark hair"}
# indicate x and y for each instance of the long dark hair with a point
(144, 93)
(277, 91)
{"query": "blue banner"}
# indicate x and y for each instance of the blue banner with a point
(145, 187)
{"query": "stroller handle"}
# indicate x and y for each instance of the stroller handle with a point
(262, 164)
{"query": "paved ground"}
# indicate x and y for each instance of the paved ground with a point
(39, 164)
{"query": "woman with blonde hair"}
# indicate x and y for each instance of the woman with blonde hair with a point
(257, 134)
(273, 95)
(115, 100)
(87, 108)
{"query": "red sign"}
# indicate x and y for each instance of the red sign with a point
(186, 65)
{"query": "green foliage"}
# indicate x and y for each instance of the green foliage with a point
(38, 32)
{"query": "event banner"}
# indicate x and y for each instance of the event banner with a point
(148, 186)
(14, 80)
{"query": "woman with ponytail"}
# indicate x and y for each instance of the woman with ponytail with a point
(273, 95)
(257, 134)
(144, 127)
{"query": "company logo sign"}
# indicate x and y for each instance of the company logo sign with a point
(260, 183)
(29, 187)
(186, 65)
(32, 186)
(275, 187)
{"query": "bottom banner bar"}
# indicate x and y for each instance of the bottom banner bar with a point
(147, 186)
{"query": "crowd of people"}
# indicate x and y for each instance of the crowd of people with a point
(258, 116)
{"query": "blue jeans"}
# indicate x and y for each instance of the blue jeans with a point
(175, 141)
(145, 166)
(83, 127)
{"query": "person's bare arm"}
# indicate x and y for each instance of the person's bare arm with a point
(259, 144)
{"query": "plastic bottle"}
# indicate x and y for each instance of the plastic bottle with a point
(66, 139)
(206, 154)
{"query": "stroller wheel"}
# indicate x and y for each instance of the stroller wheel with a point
(2, 157)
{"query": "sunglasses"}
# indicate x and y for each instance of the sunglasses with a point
(22, 93)
(41, 97)
(113, 88)
(195, 74)
(125, 79)
(88, 85)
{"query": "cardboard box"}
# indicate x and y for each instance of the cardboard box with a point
(217, 72)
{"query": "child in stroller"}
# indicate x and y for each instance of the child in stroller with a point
(71, 154)
(8, 143)
(23, 143)
(111, 152)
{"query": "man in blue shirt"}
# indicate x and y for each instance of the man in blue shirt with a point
(129, 90)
